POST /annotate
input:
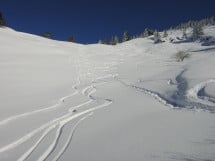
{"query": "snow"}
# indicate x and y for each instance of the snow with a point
(133, 101)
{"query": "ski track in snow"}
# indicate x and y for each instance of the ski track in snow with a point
(147, 92)
(31, 134)
(30, 151)
(66, 145)
(50, 126)
(16, 117)
(87, 92)
(193, 93)
(61, 101)
(58, 123)
(183, 97)
(54, 122)
(53, 145)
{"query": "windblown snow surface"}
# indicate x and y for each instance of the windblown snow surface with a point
(61, 101)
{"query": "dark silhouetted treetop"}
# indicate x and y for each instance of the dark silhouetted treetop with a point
(2, 20)
(126, 36)
(47, 35)
(72, 39)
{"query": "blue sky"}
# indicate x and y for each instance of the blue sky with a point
(91, 20)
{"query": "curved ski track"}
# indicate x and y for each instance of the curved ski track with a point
(59, 122)
(183, 97)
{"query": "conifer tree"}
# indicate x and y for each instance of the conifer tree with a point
(47, 35)
(157, 37)
(116, 40)
(146, 33)
(72, 39)
(197, 31)
(2, 20)
(184, 36)
(126, 36)
(165, 34)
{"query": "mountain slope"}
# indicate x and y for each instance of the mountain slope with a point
(132, 101)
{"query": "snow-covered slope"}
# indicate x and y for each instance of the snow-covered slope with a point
(133, 101)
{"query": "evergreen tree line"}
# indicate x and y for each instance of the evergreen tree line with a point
(126, 37)
(49, 35)
(195, 25)
(192, 23)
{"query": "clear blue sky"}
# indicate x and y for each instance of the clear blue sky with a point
(91, 20)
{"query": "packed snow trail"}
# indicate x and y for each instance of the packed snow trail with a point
(193, 93)
(53, 145)
(16, 117)
(52, 125)
(65, 121)
(31, 149)
(183, 97)
(60, 102)
(68, 142)
(60, 123)
(31, 134)
(155, 95)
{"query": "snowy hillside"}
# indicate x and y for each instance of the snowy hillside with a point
(131, 102)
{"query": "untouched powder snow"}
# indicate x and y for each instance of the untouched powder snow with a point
(62, 101)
